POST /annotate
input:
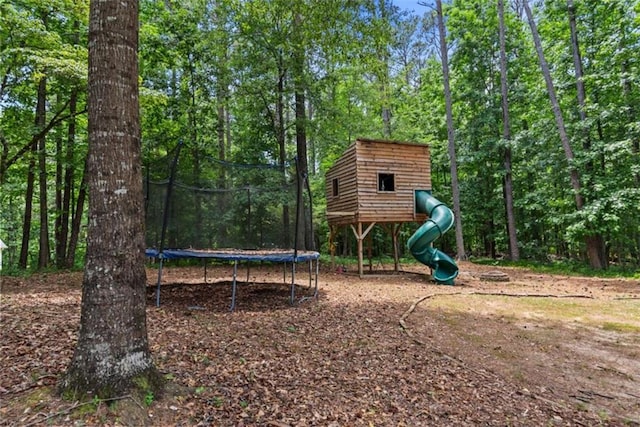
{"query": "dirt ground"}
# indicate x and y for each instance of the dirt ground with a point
(385, 350)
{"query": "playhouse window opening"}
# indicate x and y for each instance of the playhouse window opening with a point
(386, 182)
(336, 188)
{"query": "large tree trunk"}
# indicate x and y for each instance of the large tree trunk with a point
(514, 251)
(112, 354)
(461, 254)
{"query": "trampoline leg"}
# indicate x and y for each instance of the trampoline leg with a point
(315, 293)
(205, 270)
(159, 281)
(293, 283)
(234, 286)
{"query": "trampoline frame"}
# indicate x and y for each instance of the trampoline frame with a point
(249, 256)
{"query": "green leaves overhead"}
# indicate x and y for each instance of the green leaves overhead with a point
(221, 75)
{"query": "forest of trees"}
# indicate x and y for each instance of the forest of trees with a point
(543, 126)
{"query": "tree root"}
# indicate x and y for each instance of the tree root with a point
(36, 420)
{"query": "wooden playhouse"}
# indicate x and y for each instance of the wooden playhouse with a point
(375, 182)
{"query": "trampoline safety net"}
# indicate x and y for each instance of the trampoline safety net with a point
(238, 206)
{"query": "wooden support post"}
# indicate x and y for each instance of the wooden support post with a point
(395, 228)
(370, 252)
(360, 235)
(332, 246)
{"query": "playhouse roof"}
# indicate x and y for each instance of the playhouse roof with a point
(388, 141)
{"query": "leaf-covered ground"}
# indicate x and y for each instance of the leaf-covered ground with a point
(345, 359)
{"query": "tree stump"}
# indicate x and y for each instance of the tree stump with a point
(495, 276)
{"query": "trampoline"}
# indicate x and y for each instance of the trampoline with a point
(236, 256)
(247, 212)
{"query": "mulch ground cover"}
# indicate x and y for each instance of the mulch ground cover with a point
(341, 360)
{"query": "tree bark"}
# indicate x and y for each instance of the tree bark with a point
(514, 251)
(461, 254)
(112, 354)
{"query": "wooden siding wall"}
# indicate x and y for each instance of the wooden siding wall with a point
(343, 209)
(410, 166)
(357, 171)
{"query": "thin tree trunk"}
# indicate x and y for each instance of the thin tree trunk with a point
(514, 251)
(384, 79)
(222, 155)
(631, 117)
(198, 241)
(593, 245)
(301, 150)
(596, 250)
(69, 175)
(59, 241)
(282, 152)
(304, 240)
(4, 155)
(461, 254)
(112, 353)
(555, 106)
(76, 220)
(64, 211)
(43, 240)
(23, 261)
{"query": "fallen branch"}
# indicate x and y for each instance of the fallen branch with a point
(75, 405)
(595, 393)
(35, 383)
(411, 309)
(500, 294)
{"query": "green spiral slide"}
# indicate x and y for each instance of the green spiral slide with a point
(420, 244)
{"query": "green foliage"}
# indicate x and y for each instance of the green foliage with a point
(221, 76)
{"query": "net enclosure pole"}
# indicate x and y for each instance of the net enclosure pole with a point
(234, 285)
(165, 218)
